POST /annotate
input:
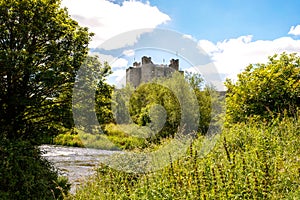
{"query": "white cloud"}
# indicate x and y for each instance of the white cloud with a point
(119, 63)
(120, 74)
(129, 52)
(233, 55)
(120, 78)
(107, 19)
(295, 30)
(115, 63)
(190, 37)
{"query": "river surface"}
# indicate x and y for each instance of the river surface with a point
(73, 162)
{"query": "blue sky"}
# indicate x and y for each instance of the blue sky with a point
(234, 33)
(217, 20)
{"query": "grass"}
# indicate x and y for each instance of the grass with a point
(117, 137)
(83, 139)
(252, 160)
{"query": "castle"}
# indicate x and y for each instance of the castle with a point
(146, 71)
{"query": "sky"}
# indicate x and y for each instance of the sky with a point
(232, 33)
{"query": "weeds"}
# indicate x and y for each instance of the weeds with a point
(252, 161)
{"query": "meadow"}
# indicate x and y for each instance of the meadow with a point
(251, 160)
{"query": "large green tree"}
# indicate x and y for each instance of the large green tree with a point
(41, 48)
(184, 98)
(265, 90)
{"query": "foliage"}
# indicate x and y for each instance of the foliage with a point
(103, 97)
(41, 49)
(24, 174)
(193, 91)
(251, 160)
(149, 95)
(78, 138)
(265, 90)
(36, 66)
(211, 103)
(91, 100)
(126, 136)
(68, 139)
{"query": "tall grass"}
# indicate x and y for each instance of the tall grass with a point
(251, 160)
(116, 137)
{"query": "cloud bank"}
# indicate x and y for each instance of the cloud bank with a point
(233, 55)
(107, 19)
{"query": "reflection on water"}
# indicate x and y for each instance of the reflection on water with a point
(74, 162)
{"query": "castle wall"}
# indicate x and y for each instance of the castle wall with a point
(147, 71)
(133, 76)
(159, 72)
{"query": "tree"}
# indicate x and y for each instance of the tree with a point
(209, 101)
(103, 94)
(265, 90)
(150, 95)
(41, 48)
(165, 105)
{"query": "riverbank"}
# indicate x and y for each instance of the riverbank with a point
(77, 164)
(116, 137)
(253, 160)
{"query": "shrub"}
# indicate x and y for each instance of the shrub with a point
(265, 90)
(68, 139)
(24, 174)
(126, 136)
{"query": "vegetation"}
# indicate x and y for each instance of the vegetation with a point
(251, 160)
(41, 48)
(256, 157)
(265, 90)
(166, 104)
(126, 136)
(78, 138)
(151, 113)
(24, 174)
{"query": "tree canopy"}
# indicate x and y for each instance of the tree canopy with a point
(265, 90)
(41, 48)
(165, 104)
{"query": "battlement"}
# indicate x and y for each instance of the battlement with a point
(146, 70)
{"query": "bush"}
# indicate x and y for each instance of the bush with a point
(265, 90)
(78, 138)
(24, 174)
(126, 136)
(68, 139)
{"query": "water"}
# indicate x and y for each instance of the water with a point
(73, 162)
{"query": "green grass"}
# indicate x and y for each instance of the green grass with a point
(252, 160)
(116, 137)
(83, 139)
(68, 139)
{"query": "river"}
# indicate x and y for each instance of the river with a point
(73, 162)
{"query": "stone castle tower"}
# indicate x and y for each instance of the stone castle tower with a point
(146, 71)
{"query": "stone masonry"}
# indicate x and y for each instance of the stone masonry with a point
(146, 71)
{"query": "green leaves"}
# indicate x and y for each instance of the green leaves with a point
(265, 90)
(41, 48)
